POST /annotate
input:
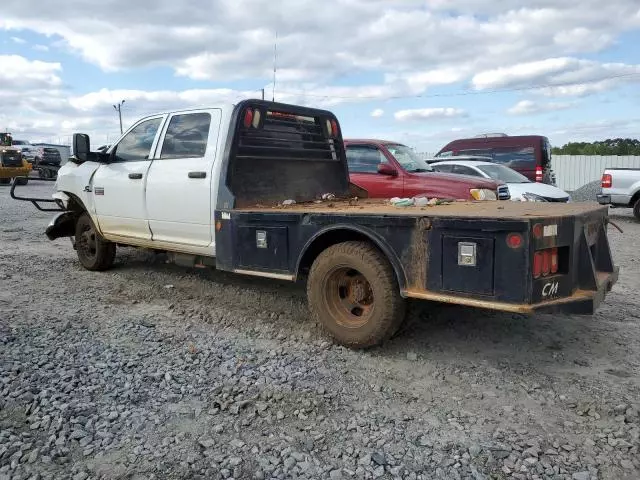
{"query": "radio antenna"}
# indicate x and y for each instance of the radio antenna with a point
(275, 61)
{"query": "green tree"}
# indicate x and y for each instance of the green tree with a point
(610, 146)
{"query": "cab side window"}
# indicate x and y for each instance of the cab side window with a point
(136, 145)
(364, 159)
(186, 136)
(464, 170)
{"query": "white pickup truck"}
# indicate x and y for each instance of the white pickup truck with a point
(621, 188)
(262, 188)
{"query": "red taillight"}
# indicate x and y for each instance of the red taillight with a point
(554, 260)
(248, 117)
(606, 181)
(334, 128)
(537, 264)
(538, 230)
(538, 174)
(546, 262)
(514, 240)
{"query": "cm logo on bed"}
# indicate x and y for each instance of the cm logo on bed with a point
(550, 289)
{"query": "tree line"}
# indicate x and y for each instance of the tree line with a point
(610, 146)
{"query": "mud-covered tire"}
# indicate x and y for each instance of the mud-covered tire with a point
(94, 252)
(636, 209)
(21, 181)
(5, 181)
(353, 293)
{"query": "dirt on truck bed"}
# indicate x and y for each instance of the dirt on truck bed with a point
(153, 371)
(459, 209)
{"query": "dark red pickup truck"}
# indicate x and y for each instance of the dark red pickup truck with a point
(389, 169)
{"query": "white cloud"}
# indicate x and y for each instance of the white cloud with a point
(18, 73)
(563, 76)
(530, 107)
(377, 113)
(41, 48)
(18, 40)
(221, 40)
(428, 113)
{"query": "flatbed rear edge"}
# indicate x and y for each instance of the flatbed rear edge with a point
(417, 262)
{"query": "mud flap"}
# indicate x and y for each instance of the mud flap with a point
(62, 225)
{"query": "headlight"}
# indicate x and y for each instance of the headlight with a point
(532, 197)
(483, 194)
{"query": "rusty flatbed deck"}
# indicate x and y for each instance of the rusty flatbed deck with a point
(500, 210)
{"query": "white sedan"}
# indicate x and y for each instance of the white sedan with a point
(520, 187)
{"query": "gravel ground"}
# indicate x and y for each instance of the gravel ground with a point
(150, 371)
(586, 193)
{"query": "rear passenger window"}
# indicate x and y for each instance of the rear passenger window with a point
(515, 157)
(362, 159)
(186, 136)
(443, 168)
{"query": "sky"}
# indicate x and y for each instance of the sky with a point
(418, 72)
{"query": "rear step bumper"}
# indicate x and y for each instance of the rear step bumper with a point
(582, 302)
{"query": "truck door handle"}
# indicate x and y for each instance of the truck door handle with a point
(197, 174)
(135, 176)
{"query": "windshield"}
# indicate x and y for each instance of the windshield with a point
(505, 174)
(20, 142)
(408, 159)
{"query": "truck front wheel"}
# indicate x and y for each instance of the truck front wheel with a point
(636, 209)
(94, 252)
(353, 293)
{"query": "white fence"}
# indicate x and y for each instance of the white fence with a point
(574, 171)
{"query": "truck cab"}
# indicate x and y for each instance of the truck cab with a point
(158, 183)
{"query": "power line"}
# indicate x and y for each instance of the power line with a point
(457, 94)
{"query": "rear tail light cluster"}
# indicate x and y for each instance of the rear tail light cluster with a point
(539, 174)
(606, 181)
(332, 128)
(545, 262)
(251, 118)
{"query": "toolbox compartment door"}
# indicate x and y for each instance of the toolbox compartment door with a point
(477, 278)
(262, 247)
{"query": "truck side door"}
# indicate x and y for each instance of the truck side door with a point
(363, 163)
(118, 186)
(178, 196)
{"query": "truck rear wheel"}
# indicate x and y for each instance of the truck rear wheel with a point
(353, 293)
(636, 209)
(94, 252)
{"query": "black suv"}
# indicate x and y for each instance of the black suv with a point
(47, 156)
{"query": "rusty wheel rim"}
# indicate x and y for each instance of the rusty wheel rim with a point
(349, 297)
(87, 244)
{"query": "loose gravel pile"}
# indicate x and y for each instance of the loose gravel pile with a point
(587, 193)
(151, 371)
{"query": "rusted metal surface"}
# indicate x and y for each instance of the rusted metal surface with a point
(416, 258)
(594, 296)
(466, 209)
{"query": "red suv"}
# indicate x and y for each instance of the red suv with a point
(389, 169)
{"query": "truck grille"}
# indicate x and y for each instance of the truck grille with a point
(503, 193)
(11, 159)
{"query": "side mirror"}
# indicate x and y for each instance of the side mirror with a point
(386, 169)
(81, 146)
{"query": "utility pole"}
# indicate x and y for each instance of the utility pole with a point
(119, 110)
(263, 93)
